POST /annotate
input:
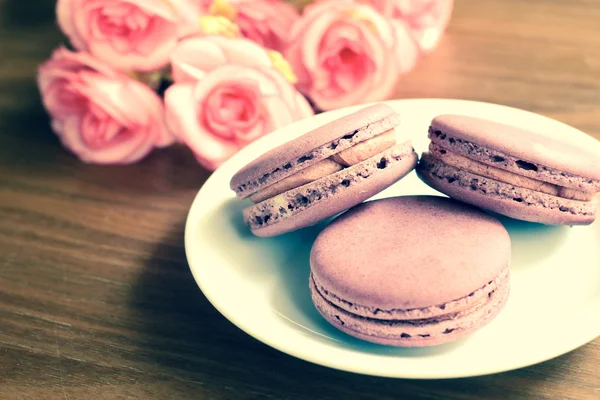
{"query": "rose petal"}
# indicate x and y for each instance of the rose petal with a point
(182, 120)
(118, 152)
(192, 57)
(266, 22)
(128, 34)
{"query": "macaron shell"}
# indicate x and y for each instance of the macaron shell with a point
(401, 334)
(409, 252)
(455, 306)
(585, 212)
(343, 199)
(269, 168)
(522, 144)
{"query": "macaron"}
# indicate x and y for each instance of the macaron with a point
(511, 171)
(411, 271)
(324, 172)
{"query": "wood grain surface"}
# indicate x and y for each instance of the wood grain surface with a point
(96, 298)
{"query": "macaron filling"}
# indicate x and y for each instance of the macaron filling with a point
(438, 170)
(506, 162)
(307, 175)
(296, 200)
(366, 149)
(456, 160)
(344, 159)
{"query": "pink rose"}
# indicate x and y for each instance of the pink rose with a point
(100, 114)
(127, 34)
(266, 22)
(427, 19)
(345, 53)
(228, 93)
(205, 4)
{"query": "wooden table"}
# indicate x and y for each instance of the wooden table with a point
(96, 298)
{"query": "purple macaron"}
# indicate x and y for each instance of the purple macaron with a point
(511, 171)
(324, 172)
(411, 271)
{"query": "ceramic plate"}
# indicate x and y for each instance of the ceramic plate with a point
(261, 285)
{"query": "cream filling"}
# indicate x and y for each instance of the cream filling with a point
(488, 171)
(307, 175)
(366, 149)
(352, 156)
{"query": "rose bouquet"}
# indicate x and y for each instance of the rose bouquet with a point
(215, 75)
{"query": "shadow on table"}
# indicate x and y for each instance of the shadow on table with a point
(26, 139)
(184, 338)
(22, 14)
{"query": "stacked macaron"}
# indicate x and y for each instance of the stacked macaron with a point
(511, 171)
(411, 271)
(415, 270)
(324, 172)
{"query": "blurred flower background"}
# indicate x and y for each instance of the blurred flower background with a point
(216, 75)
